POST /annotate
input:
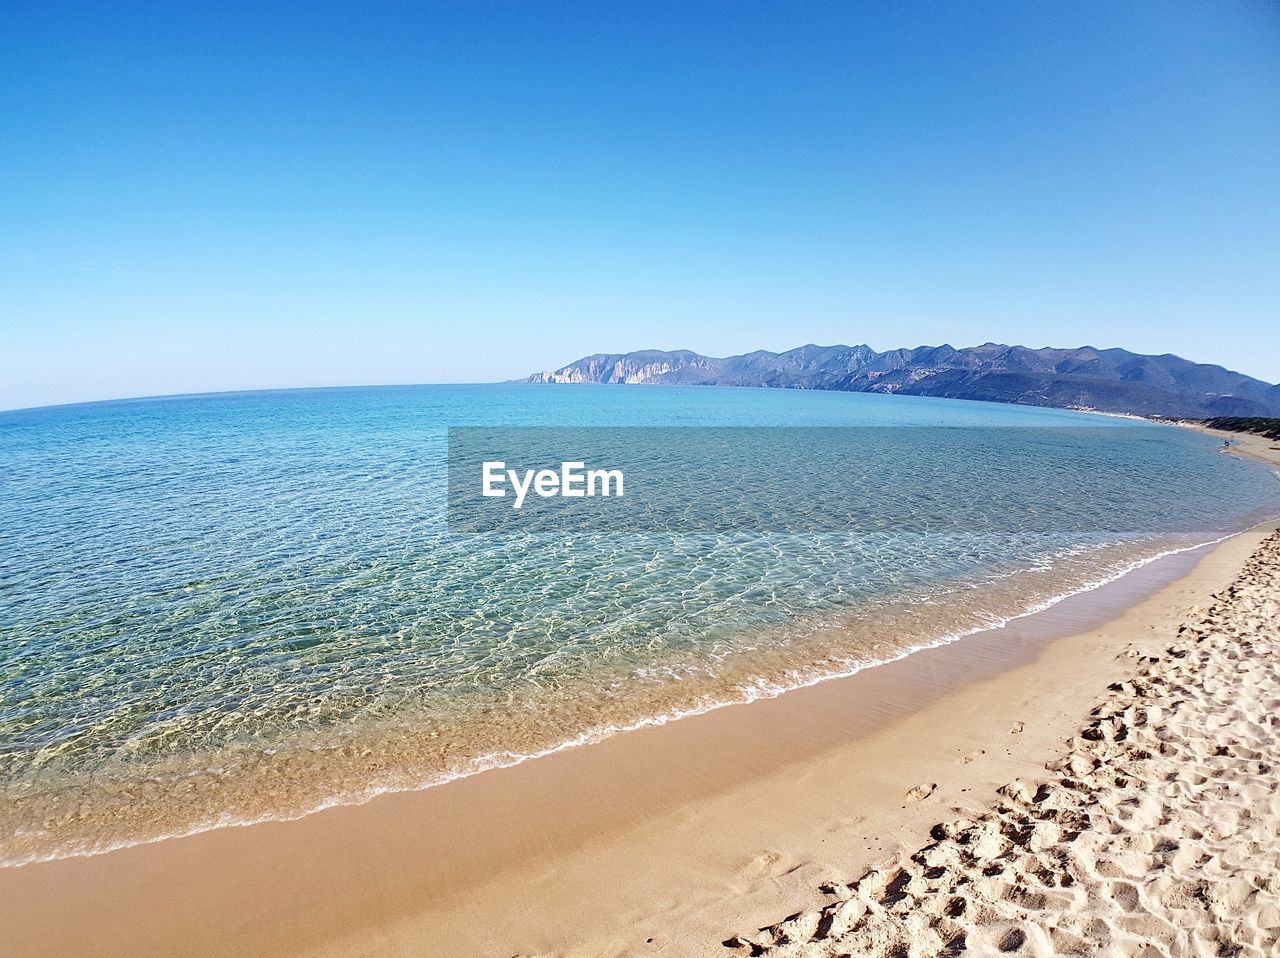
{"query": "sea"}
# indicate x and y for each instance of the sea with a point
(231, 608)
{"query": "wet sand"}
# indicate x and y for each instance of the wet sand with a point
(662, 841)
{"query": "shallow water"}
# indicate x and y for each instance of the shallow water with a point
(227, 608)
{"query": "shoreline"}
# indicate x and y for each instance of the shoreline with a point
(108, 810)
(1246, 444)
(559, 813)
(1152, 830)
(761, 690)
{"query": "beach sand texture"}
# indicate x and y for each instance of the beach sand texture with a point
(1156, 832)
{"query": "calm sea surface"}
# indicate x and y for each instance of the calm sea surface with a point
(237, 607)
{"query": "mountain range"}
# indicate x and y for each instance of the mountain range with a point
(1107, 380)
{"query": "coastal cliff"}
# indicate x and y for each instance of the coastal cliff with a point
(1107, 380)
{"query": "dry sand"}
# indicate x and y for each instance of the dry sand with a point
(1156, 832)
(668, 841)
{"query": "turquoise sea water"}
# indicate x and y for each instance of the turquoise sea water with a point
(227, 608)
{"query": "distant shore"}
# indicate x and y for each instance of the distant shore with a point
(1242, 443)
(663, 841)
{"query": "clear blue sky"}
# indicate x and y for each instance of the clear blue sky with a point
(239, 196)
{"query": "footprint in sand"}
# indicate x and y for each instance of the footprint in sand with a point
(973, 756)
(763, 864)
(921, 792)
(1157, 821)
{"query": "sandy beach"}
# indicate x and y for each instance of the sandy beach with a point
(1153, 833)
(692, 480)
(1098, 778)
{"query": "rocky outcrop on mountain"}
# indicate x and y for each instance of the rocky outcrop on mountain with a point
(809, 367)
(1109, 380)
